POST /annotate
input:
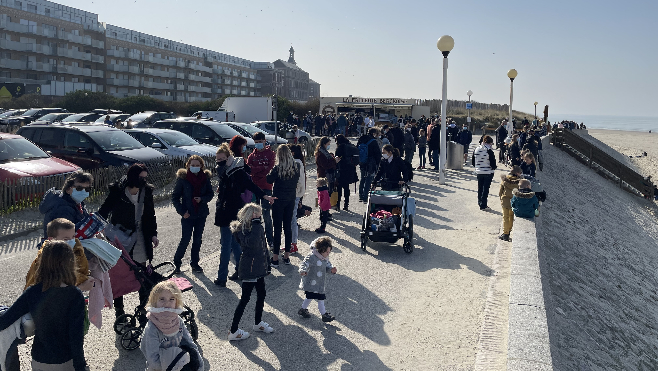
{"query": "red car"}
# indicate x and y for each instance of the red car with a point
(20, 158)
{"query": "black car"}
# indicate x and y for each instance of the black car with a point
(82, 117)
(148, 118)
(90, 146)
(206, 132)
(30, 116)
(52, 117)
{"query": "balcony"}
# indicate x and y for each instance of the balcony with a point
(203, 89)
(64, 52)
(244, 75)
(158, 85)
(63, 69)
(97, 44)
(116, 53)
(74, 38)
(252, 94)
(202, 68)
(217, 90)
(118, 82)
(252, 85)
(41, 67)
(180, 75)
(180, 87)
(158, 73)
(180, 64)
(166, 98)
(134, 69)
(243, 84)
(134, 83)
(236, 73)
(13, 45)
(97, 58)
(162, 61)
(236, 82)
(192, 88)
(117, 67)
(97, 73)
(13, 64)
(243, 92)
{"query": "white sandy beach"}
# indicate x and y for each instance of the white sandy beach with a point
(633, 143)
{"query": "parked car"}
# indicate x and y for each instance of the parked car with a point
(90, 146)
(268, 127)
(113, 118)
(20, 158)
(248, 131)
(206, 132)
(51, 118)
(171, 142)
(87, 117)
(30, 116)
(11, 113)
(148, 118)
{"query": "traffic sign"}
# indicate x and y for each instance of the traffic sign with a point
(469, 105)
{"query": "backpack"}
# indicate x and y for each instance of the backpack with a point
(363, 151)
(354, 154)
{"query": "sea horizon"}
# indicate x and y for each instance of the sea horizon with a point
(622, 123)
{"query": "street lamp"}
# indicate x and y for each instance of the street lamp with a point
(468, 119)
(512, 75)
(445, 45)
(536, 110)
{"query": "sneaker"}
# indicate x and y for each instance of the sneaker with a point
(220, 283)
(293, 248)
(286, 261)
(234, 276)
(196, 268)
(327, 317)
(505, 237)
(274, 264)
(502, 236)
(304, 313)
(320, 230)
(238, 335)
(263, 327)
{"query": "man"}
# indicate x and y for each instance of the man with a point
(342, 124)
(107, 121)
(434, 144)
(358, 122)
(319, 122)
(465, 139)
(261, 161)
(367, 143)
(484, 162)
(453, 131)
(396, 137)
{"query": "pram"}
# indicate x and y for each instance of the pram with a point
(131, 326)
(389, 217)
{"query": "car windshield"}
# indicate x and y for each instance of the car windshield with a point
(224, 130)
(75, 118)
(177, 139)
(31, 112)
(19, 149)
(114, 140)
(240, 130)
(53, 116)
(140, 117)
(7, 114)
(251, 129)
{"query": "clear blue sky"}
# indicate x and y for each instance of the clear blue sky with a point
(580, 57)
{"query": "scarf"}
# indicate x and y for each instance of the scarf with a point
(197, 181)
(165, 319)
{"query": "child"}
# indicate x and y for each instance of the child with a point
(508, 184)
(314, 271)
(422, 148)
(64, 230)
(254, 266)
(524, 203)
(528, 166)
(165, 336)
(324, 203)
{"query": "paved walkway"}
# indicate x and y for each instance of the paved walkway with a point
(393, 310)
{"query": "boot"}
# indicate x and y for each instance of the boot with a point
(346, 206)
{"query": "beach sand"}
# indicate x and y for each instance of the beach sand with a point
(633, 143)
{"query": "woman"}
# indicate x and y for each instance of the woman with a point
(233, 182)
(284, 175)
(238, 146)
(131, 211)
(346, 173)
(191, 195)
(58, 311)
(69, 202)
(515, 150)
(393, 172)
(484, 161)
(298, 155)
(325, 161)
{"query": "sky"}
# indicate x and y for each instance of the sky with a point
(578, 57)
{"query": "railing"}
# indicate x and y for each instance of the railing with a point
(592, 156)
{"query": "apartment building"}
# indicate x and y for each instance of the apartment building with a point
(286, 79)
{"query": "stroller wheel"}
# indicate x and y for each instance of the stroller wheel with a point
(364, 242)
(131, 338)
(123, 323)
(193, 329)
(408, 245)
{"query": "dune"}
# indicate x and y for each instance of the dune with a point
(631, 145)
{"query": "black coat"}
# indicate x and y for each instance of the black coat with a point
(391, 173)
(233, 181)
(501, 134)
(255, 259)
(57, 204)
(183, 194)
(121, 210)
(284, 189)
(435, 138)
(398, 138)
(346, 171)
(374, 153)
(515, 153)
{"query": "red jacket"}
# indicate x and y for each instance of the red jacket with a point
(261, 162)
(324, 164)
(324, 201)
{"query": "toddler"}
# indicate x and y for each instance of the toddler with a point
(524, 202)
(254, 265)
(165, 336)
(324, 202)
(314, 270)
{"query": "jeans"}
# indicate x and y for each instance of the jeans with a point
(267, 217)
(435, 159)
(282, 212)
(192, 229)
(421, 156)
(247, 287)
(365, 183)
(346, 188)
(293, 225)
(484, 182)
(229, 245)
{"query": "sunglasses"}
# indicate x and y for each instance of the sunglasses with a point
(80, 189)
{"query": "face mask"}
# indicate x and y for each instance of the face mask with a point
(260, 146)
(408, 129)
(79, 196)
(221, 163)
(195, 169)
(464, 128)
(328, 147)
(71, 243)
(244, 148)
(386, 156)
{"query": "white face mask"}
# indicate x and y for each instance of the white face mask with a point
(71, 243)
(386, 156)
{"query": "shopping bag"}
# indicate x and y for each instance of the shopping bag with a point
(334, 198)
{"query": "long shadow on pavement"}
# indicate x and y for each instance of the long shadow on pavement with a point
(26, 243)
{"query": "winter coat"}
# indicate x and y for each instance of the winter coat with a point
(325, 162)
(346, 171)
(284, 189)
(81, 266)
(529, 169)
(409, 142)
(507, 185)
(397, 140)
(324, 201)
(301, 183)
(160, 350)
(524, 203)
(121, 210)
(422, 142)
(316, 269)
(233, 181)
(484, 160)
(501, 134)
(391, 173)
(57, 204)
(453, 133)
(531, 146)
(183, 194)
(465, 137)
(255, 258)
(434, 141)
(515, 153)
(261, 162)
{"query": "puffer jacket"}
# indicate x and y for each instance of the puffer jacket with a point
(524, 203)
(57, 204)
(255, 258)
(261, 162)
(484, 160)
(391, 173)
(183, 194)
(233, 181)
(507, 185)
(284, 189)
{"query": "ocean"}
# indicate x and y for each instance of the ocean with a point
(626, 123)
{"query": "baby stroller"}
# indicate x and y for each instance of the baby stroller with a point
(131, 326)
(389, 217)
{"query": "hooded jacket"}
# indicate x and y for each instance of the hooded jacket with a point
(233, 181)
(255, 258)
(81, 266)
(183, 194)
(261, 162)
(524, 203)
(317, 268)
(507, 185)
(57, 204)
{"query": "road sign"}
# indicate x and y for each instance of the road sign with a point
(469, 105)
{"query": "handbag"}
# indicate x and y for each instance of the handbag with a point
(334, 198)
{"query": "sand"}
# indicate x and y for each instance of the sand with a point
(633, 143)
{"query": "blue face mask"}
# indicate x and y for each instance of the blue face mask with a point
(71, 243)
(79, 196)
(195, 169)
(244, 148)
(260, 146)
(329, 147)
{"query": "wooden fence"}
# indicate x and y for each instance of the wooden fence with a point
(592, 156)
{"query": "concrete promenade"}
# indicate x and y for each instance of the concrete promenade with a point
(393, 310)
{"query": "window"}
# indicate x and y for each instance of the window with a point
(31, 8)
(202, 132)
(51, 138)
(74, 79)
(74, 141)
(87, 81)
(18, 4)
(48, 12)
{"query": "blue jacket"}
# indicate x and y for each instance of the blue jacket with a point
(183, 194)
(57, 204)
(465, 137)
(524, 203)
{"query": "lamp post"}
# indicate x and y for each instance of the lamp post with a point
(468, 119)
(536, 110)
(512, 75)
(445, 45)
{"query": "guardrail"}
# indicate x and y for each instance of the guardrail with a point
(592, 156)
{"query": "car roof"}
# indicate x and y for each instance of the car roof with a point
(152, 130)
(83, 127)
(9, 136)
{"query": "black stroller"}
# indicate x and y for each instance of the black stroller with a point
(389, 217)
(131, 326)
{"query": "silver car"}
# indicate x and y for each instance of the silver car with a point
(268, 127)
(249, 130)
(171, 142)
